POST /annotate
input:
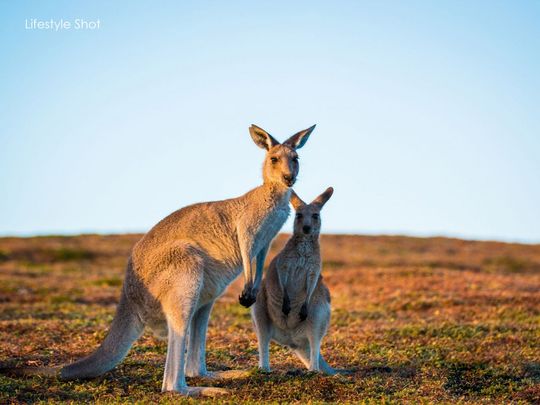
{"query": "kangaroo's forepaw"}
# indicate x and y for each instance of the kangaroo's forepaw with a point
(286, 307)
(303, 312)
(248, 297)
(246, 300)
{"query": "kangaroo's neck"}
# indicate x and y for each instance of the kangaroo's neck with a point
(274, 188)
(263, 212)
(304, 245)
(273, 194)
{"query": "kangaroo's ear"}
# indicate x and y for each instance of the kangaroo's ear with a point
(299, 139)
(296, 201)
(262, 138)
(323, 198)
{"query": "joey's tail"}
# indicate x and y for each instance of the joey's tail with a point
(125, 330)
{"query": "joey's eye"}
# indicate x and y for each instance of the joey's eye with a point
(299, 216)
(315, 216)
(274, 159)
(295, 159)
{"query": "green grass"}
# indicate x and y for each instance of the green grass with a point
(432, 323)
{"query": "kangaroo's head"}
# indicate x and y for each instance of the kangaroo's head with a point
(308, 216)
(281, 161)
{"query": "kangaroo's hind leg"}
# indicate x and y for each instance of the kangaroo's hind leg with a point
(178, 309)
(304, 354)
(184, 279)
(316, 327)
(196, 354)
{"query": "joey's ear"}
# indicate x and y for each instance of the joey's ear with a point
(323, 198)
(262, 138)
(296, 201)
(299, 139)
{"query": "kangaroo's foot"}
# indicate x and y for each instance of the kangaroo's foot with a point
(200, 391)
(329, 371)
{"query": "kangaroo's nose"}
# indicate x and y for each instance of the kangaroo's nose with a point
(306, 228)
(288, 179)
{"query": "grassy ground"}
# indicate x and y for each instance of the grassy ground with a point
(419, 320)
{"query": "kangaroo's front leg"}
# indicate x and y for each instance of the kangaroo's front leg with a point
(303, 312)
(311, 282)
(249, 294)
(283, 279)
(261, 257)
(286, 305)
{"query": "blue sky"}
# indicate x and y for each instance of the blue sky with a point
(427, 113)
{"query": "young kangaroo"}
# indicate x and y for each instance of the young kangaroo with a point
(184, 263)
(293, 304)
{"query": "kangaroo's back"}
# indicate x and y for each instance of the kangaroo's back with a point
(216, 227)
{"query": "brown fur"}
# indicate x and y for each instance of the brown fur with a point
(293, 306)
(185, 262)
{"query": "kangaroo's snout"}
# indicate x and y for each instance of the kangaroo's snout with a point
(288, 179)
(306, 229)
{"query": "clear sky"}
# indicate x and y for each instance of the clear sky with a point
(427, 112)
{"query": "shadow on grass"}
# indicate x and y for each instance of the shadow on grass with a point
(481, 379)
(142, 380)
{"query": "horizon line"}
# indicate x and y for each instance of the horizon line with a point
(388, 233)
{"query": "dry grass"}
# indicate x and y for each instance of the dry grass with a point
(419, 320)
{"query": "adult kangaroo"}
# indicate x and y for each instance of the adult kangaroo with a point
(184, 263)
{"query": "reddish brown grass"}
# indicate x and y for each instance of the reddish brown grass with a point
(418, 320)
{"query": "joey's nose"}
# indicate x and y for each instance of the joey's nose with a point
(306, 229)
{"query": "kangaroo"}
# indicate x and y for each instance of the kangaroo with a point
(293, 304)
(184, 263)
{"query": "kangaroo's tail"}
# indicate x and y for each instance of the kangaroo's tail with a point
(29, 371)
(125, 330)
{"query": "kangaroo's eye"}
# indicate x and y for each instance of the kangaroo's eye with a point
(315, 216)
(299, 216)
(274, 159)
(295, 159)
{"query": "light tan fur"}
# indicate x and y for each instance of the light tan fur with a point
(184, 263)
(293, 304)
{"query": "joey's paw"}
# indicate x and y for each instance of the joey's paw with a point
(247, 298)
(303, 313)
(286, 307)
